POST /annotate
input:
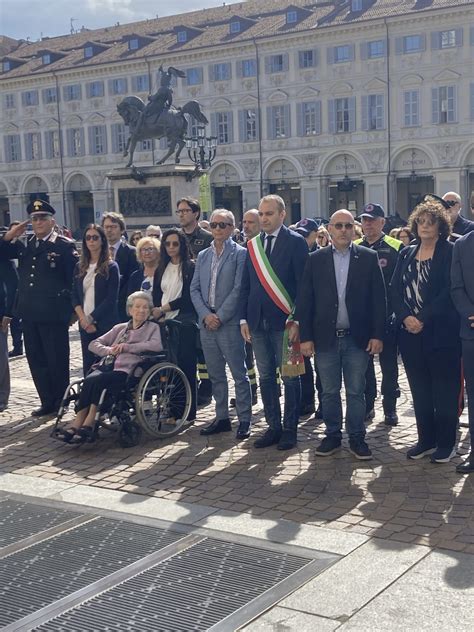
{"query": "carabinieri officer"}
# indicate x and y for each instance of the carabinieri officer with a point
(45, 269)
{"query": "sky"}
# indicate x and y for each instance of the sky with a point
(22, 19)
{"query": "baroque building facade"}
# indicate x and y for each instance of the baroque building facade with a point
(330, 104)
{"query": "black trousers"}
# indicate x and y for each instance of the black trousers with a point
(88, 358)
(307, 385)
(47, 352)
(434, 376)
(468, 365)
(95, 383)
(187, 359)
(16, 330)
(389, 387)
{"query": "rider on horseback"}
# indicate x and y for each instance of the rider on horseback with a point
(163, 97)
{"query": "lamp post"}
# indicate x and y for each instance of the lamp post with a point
(201, 149)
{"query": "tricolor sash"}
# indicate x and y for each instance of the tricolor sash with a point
(267, 276)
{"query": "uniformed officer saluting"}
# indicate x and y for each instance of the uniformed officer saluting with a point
(45, 269)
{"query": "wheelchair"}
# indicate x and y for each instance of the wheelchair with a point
(156, 398)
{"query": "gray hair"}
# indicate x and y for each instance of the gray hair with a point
(135, 296)
(153, 231)
(279, 201)
(454, 194)
(225, 213)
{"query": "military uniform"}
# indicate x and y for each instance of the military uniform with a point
(45, 270)
(387, 249)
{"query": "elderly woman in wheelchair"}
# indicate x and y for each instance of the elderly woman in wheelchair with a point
(120, 350)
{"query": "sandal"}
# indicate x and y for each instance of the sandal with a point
(67, 434)
(84, 435)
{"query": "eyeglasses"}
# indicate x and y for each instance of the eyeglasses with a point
(429, 221)
(181, 211)
(340, 226)
(451, 203)
(153, 235)
(222, 225)
(92, 237)
(40, 217)
(171, 244)
(148, 250)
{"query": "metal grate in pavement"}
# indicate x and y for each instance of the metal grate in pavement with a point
(20, 520)
(193, 590)
(50, 570)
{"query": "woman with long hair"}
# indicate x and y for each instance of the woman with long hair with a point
(95, 290)
(172, 300)
(135, 237)
(148, 256)
(429, 330)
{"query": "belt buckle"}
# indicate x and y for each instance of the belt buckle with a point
(340, 333)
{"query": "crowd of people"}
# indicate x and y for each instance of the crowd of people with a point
(310, 306)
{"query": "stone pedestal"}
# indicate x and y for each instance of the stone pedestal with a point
(148, 195)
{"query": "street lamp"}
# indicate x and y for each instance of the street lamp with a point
(201, 149)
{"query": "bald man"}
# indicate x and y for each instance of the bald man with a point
(250, 224)
(461, 225)
(342, 312)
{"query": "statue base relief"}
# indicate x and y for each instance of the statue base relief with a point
(149, 195)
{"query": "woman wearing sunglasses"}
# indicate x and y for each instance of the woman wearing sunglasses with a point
(171, 295)
(429, 330)
(95, 290)
(148, 255)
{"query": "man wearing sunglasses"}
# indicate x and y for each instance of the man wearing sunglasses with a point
(342, 314)
(215, 292)
(45, 268)
(461, 225)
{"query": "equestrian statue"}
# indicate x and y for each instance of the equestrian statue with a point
(159, 118)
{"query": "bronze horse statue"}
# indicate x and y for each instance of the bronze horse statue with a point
(171, 123)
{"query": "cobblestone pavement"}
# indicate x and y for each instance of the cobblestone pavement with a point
(389, 497)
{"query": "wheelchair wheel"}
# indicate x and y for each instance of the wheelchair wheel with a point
(163, 400)
(129, 435)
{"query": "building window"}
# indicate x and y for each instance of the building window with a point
(119, 139)
(7, 66)
(192, 126)
(223, 127)
(276, 63)
(357, 5)
(75, 141)
(291, 17)
(51, 144)
(133, 44)
(278, 121)
(309, 118)
(145, 145)
(88, 52)
(141, 83)
(373, 112)
(342, 115)
(248, 125)
(181, 37)
(412, 44)
(97, 140)
(12, 148)
(32, 146)
(307, 58)
(118, 86)
(220, 72)
(411, 108)
(342, 54)
(9, 101)
(444, 105)
(50, 95)
(376, 49)
(247, 68)
(72, 93)
(46, 59)
(194, 76)
(29, 98)
(235, 26)
(95, 89)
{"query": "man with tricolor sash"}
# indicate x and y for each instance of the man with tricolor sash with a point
(272, 274)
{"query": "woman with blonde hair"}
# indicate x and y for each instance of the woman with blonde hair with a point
(148, 255)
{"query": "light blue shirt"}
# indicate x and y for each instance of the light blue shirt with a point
(341, 260)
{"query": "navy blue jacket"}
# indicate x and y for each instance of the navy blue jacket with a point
(106, 293)
(288, 258)
(8, 287)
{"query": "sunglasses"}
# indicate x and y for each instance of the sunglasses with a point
(40, 217)
(149, 250)
(92, 237)
(340, 226)
(451, 203)
(171, 244)
(219, 225)
(429, 221)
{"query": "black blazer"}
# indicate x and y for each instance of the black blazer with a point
(126, 259)
(439, 316)
(317, 303)
(288, 258)
(462, 283)
(106, 291)
(184, 304)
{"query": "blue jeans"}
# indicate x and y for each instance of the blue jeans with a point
(268, 347)
(227, 345)
(344, 359)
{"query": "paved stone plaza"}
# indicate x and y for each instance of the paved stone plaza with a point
(386, 515)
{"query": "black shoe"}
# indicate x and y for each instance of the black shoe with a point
(306, 412)
(218, 425)
(42, 411)
(287, 440)
(369, 415)
(243, 432)
(467, 466)
(328, 446)
(319, 413)
(3, 407)
(360, 450)
(418, 451)
(15, 352)
(391, 419)
(443, 455)
(271, 437)
(203, 401)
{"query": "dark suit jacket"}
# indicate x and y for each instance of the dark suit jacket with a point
(288, 258)
(462, 282)
(463, 226)
(8, 287)
(106, 291)
(317, 303)
(439, 316)
(184, 303)
(126, 259)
